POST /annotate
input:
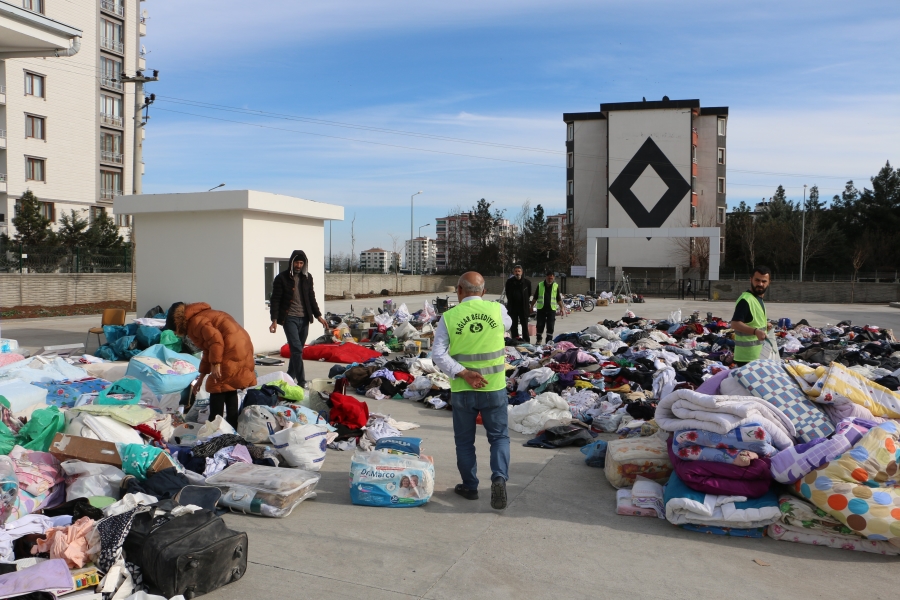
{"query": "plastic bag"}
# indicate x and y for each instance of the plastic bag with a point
(127, 386)
(391, 480)
(430, 313)
(595, 454)
(171, 341)
(266, 491)
(163, 383)
(294, 393)
(125, 347)
(85, 480)
(114, 332)
(384, 319)
(675, 316)
(9, 488)
(39, 431)
(402, 313)
(405, 331)
(147, 336)
(211, 428)
(254, 422)
(105, 352)
(301, 446)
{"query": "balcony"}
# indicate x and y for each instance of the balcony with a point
(3, 182)
(112, 45)
(111, 83)
(2, 139)
(110, 120)
(142, 28)
(109, 194)
(113, 7)
(695, 137)
(111, 157)
(694, 170)
(2, 94)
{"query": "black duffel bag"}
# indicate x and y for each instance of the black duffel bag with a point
(190, 555)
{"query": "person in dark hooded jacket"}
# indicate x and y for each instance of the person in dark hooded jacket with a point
(293, 306)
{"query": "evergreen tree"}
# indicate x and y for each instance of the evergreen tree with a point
(103, 232)
(536, 238)
(72, 231)
(484, 236)
(32, 227)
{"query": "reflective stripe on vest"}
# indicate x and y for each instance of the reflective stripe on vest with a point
(748, 348)
(476, 335)
(554, 289)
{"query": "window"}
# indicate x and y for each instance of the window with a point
(570, 135)
(34, 85)
(34, 127)
(123, 220)
(720, 185)
(97, 212)
(693, 215)
(110, 184)
(110, 73)
(34, 169)
(34, 5)
(570, 160)
(110, 105)
(721, 156)
(2, 218)
(570, 216)
(721, 126)
(720, 215)
(111, 147)
(111, 35)
(721, 245)
(48, 210)
(570, 188)
(694, 184)
(693, 154)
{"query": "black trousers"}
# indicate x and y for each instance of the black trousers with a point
(518, 318)
(548, 318)
(222, 401)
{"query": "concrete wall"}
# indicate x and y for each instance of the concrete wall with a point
(825, 292)
(338, 283)
(591, 208)
(60, 289)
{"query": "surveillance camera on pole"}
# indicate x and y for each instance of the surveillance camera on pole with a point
(141, 104)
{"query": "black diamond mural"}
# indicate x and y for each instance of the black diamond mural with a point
(650, 155)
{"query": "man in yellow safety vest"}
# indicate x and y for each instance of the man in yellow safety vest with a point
(469, 348)
(547, 299)
(750, 322)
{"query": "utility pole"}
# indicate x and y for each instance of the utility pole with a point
(803, 233)
(140, 103)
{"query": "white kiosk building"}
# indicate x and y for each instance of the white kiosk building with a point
(224, 248)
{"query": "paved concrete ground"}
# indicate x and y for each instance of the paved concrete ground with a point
(559, 537)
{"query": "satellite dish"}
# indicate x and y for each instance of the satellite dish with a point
(145, 14)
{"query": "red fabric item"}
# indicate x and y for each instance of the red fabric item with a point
(348, 411)
(402, 376)
(148, 431)
(338, 353)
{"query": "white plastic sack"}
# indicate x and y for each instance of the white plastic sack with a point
(404, 331)
(275, 376)
(85, 480)
(384, 319)
(302, 446)
(211, 428)
(530, 417)
(429, 310)
(675, 316)
(254, 422)
(402, 313)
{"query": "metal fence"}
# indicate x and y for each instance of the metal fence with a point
(24, 259)
(820, 276)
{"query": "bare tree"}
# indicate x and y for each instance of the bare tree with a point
(352, 250)
(395, 255)
(694, 252)
(572, 246)
(862, 250)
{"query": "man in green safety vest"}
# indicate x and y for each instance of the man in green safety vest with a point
(469, 347)
(547, 299)
(749, 322)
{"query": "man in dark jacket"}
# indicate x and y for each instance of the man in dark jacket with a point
(293, 306)
(518, 293)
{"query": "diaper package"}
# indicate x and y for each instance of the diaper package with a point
(393, 480)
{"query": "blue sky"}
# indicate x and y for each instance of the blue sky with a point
(813, 90)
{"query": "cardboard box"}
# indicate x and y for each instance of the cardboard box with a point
(163, 461)
(73, 447)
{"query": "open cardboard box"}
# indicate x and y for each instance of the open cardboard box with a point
(73, 447)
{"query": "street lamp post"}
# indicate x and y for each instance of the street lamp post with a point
(803, 233)
(411, 227)
(426, 247)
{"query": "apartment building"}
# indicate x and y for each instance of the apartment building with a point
(66, 119)
(420, 255)
(453, 232)
(650, 164)
(557, 227)
(375, 260)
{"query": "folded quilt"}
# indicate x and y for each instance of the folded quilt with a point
(697, 444)
(841, 385)
(756, 532)
(686, 409)
(752, 481)
(130, 414)
(792, 464)
(684, 505)
(799, 535)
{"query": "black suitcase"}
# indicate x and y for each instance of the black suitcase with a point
(191, 555)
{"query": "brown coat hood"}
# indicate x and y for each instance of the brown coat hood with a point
(224, 342)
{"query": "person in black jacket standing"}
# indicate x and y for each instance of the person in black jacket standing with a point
(293, 306)
(518, 293)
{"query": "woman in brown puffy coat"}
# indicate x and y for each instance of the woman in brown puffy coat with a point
(227, 354)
